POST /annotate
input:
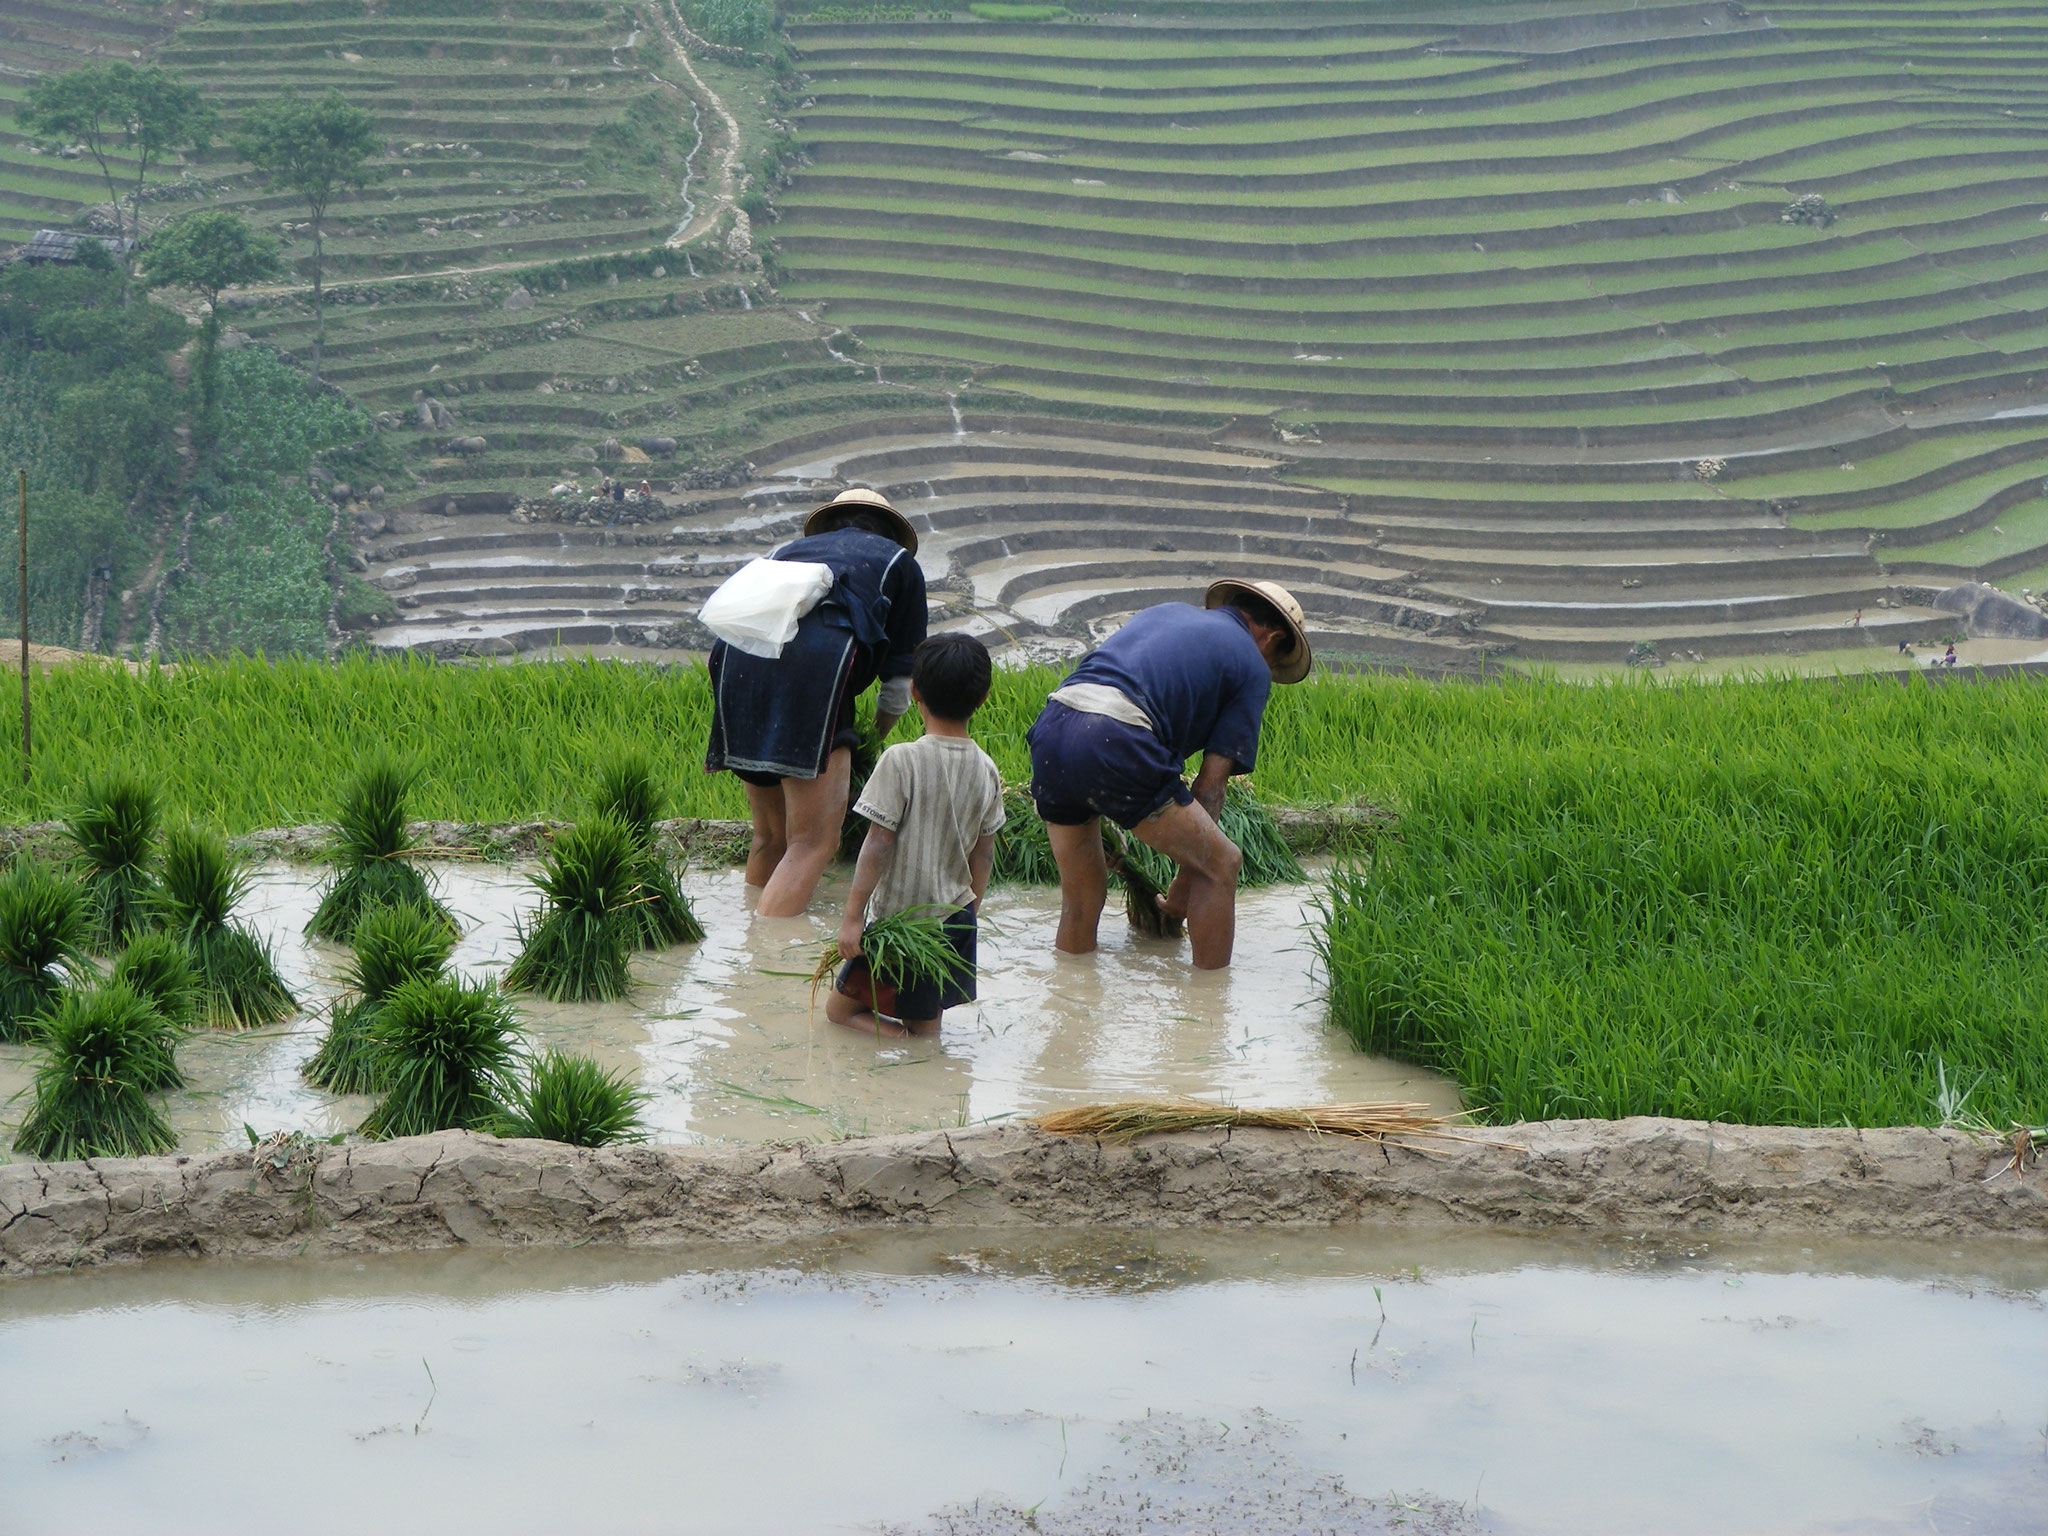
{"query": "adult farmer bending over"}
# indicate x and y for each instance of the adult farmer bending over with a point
(1174, 681)
(787, 727)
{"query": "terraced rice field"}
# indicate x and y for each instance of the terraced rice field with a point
(1458, 302)
(1482, 326)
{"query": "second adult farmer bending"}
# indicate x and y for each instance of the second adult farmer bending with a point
(1115, 737)
(787, 727)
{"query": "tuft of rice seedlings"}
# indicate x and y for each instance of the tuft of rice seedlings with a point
(1023, 853)
(159, 971)
(44, 927)
(660, 913)
(1144, 876)
(901, 949)
(202, 885)
(101, 1051)
(393, 945)
(451, 1052)
(1267, 858)
(574, 950)
(1132, 1118)
(574, 1100)
(113, 832)
(371, 852)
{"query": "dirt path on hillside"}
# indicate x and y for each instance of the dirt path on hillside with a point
(706, 218)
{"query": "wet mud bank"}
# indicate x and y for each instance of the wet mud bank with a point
(456, 1189)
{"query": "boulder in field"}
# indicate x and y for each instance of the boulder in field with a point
(658, 447)
(519, 298)
(468, 444)
(1993, 615)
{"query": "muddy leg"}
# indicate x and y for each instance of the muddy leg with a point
(771, 832)
(1209, 863)
(815, 809)
(1084, 884)
(841, 1009)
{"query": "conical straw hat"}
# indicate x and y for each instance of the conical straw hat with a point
(1292, 664)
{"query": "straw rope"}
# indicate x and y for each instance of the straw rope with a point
(1131, 1118)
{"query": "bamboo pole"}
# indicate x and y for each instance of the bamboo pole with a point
(23, 473)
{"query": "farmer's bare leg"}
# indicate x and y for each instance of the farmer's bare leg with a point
(814, 810)
(1084, 884)
(841, 1009)
(1209, 863)
(771, 831)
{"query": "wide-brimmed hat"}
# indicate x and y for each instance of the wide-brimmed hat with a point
(1292, 664)
(860, 499)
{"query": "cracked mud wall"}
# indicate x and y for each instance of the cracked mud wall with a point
(456, 1189)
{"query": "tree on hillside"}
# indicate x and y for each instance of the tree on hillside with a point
(314, 148)
(209, 251)
(147, 112)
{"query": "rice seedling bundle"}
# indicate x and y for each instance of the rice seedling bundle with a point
(901, 949)
(157, 969)
(202, 885)
(628, 793)
(1143, 875)
(372, 852)
(101, 1050)
(1023, 852)
(1132, 1118)
(44, 926)
(113, 832)
(575, 948)
(1267, 858)
(451, 1055)
(393, 945)
(1778, 926)
(574, 1100)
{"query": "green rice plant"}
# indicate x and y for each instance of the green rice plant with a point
(450, 1053)
(202, 885)
(393, 945)
(113, 832)
(101, 1049)
(1023, 852)
(1780, 924)
(372, 852)
(901, 950)
(574, 1100)
(1143, 874)
(629, 794)
(1267, 858)
(157, 968)
(44, 926)
(575, 948)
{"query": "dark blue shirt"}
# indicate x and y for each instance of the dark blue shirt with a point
(1197, 673)
(877, 592)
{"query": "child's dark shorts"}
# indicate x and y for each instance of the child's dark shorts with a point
(1086, 765)
(925, 997)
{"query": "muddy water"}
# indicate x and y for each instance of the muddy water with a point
(724, 1037)
(1350, 1380)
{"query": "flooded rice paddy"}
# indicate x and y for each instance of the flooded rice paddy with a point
(1346, 1380)
(724, 1037)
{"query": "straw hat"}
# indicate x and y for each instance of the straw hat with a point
(1292, 664)
(860, 499)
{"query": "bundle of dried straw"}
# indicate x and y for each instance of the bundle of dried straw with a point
(1145, 1117)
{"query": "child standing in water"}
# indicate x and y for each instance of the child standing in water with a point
(934, 807)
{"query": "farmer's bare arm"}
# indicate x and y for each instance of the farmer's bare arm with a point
(1210, 780)
(980, 865)
(868, 870)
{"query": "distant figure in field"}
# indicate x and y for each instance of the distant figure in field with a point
(1857, 621)
(618, 491)
(787, 727)
(1949, 659)
(1114, 738)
